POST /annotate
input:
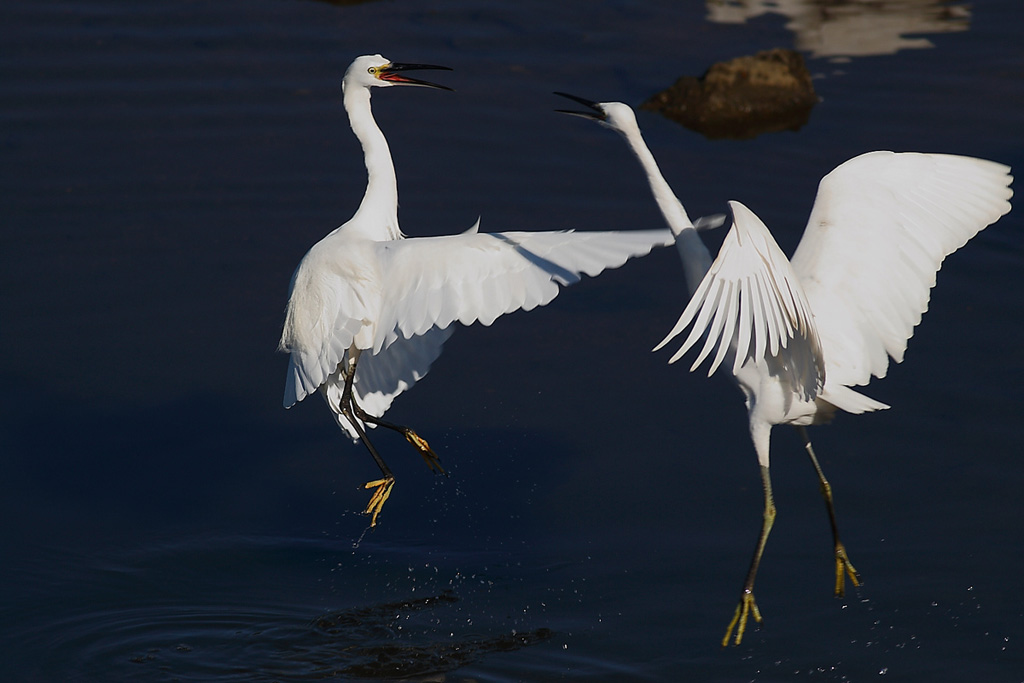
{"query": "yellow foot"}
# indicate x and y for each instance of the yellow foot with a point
(745, 609)
(843, 569)
(433, 462)
(379, 497)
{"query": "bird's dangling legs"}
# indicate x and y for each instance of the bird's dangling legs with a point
(356, 416)
(418, 442)
(747, 607)
(843, 566)
(382, 487)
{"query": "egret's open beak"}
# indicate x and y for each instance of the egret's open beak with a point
(596, 112)
(392, 74)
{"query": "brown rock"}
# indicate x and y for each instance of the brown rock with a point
(743, 97)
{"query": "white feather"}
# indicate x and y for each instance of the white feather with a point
(881, 225)
(404, 288)
(751, 291)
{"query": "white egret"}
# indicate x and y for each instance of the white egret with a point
(798, 333)
(365, 295)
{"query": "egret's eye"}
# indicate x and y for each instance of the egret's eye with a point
(372, 70)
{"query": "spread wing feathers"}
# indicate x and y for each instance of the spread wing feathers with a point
(380, 292)
(326, 315)
(381, 377)
(751, 303)
(472, 277)
(881, 225)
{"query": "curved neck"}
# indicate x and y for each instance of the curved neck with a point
(377, 216)
(696, 257)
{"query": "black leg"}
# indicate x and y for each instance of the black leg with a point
(382, 487)
(357, 417)
(352, 412)
(418, 442)
(843, 566)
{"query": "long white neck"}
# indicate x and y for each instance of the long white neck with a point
(377, 216)
(696, 257)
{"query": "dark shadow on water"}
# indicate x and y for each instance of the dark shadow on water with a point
(373, 642)
(372, 638)
(251, 609)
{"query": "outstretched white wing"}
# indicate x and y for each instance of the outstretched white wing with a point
(381, 292)
(750, 304)
(434, 281)
(881, 225)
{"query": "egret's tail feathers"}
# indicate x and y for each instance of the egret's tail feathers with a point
(851, 401)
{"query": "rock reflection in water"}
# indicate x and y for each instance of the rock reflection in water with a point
(854, 28)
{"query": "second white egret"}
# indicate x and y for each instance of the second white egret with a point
(798, 333)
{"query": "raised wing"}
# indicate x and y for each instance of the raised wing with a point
(881, 225)
(750, 304)
(369, 294)
(476, 277)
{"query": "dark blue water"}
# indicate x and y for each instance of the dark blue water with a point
(166, 165)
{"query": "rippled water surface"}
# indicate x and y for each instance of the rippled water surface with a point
(166, 165)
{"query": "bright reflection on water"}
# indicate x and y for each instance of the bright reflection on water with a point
(167, 164)
(825, 28)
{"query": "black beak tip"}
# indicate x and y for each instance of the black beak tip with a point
(595, 112)
(402, 66)
(392, 71)
(427, 84)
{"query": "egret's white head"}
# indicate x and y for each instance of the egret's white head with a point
(374, 70)
(618, 116)
(614, 115)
